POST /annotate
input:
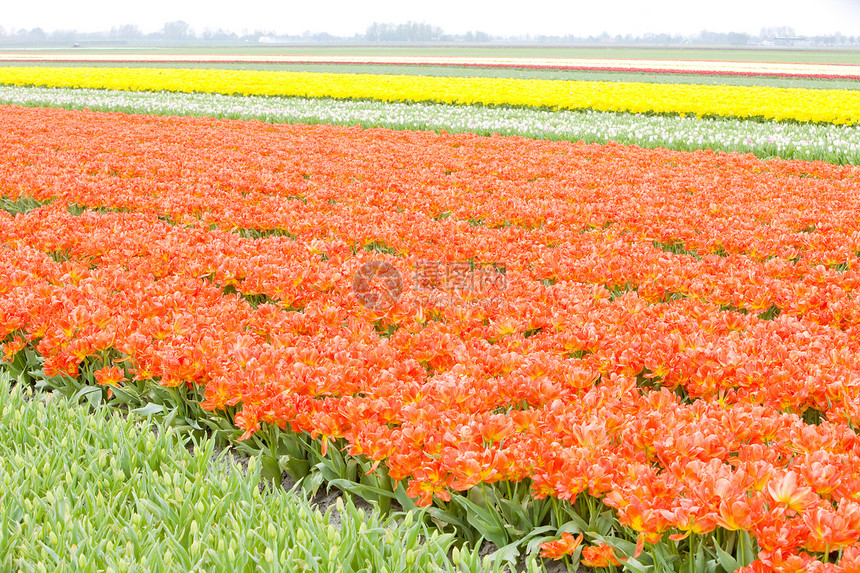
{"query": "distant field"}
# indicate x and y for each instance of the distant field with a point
(826, 56)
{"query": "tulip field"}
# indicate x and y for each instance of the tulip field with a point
(634, 350)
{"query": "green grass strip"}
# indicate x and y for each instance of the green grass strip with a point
(91, 491)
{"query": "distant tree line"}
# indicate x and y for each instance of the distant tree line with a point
(180, 31)
(409, 32)
(176, 31)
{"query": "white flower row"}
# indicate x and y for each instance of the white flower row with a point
(831, 143)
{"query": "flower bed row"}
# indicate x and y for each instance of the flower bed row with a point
(643, 66)
(832, 143)
(674, 336)
(793, 104)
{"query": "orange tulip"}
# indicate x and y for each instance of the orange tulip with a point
(110, 376)
(599, 556)
(785, 490)
(561, 547)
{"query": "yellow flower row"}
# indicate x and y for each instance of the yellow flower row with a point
(831, 106)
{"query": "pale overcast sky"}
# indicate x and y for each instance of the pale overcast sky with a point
(348, 17)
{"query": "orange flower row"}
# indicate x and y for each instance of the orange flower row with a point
(669, 327)
(682, 343)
